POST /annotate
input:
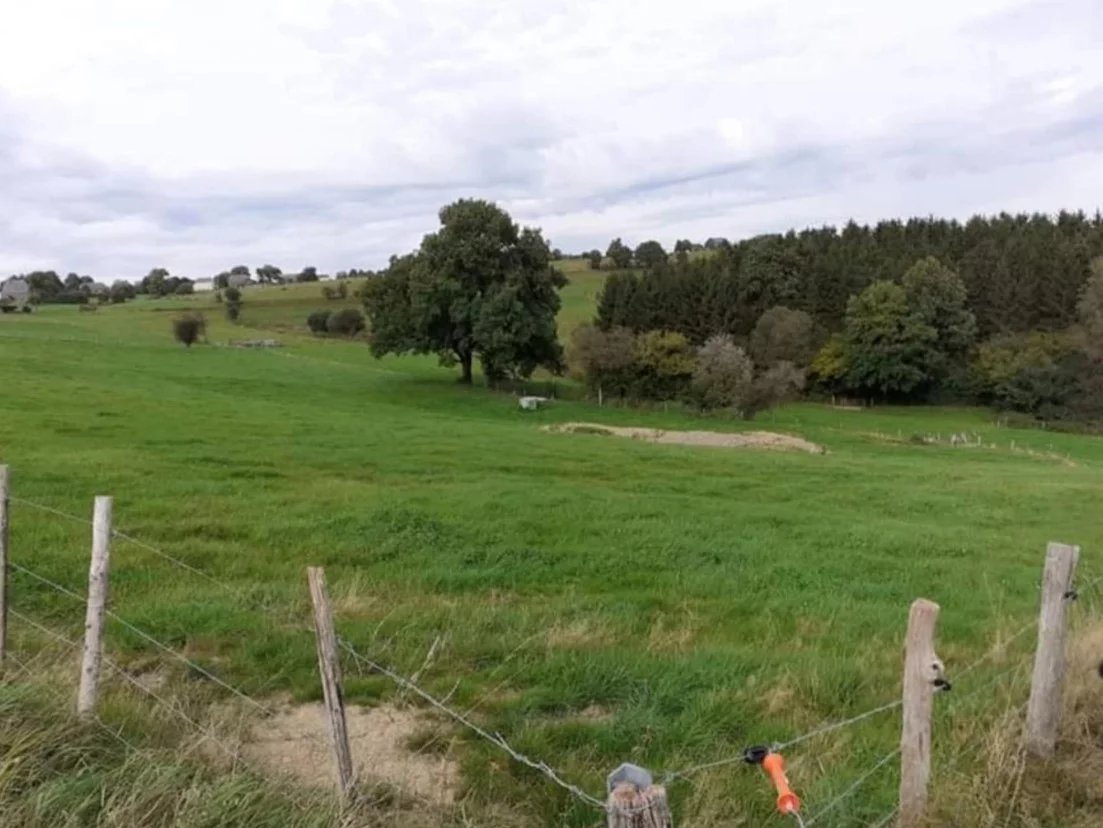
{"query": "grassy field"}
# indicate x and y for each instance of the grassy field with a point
(596, 600)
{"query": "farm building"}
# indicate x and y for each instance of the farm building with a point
(15, 293)
(239, 280)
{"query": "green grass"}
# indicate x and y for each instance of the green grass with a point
(703, 599)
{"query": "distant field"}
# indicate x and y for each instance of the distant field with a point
(597, 599)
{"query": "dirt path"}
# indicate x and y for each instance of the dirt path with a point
(714, 439)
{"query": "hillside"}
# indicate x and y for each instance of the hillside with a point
(594, 600)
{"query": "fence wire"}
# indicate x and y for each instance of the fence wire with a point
(497, 739)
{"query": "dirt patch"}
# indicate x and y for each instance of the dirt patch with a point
(713, 439)
(295, 741)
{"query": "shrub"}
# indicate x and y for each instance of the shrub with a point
(784, 335)
(779, 383)
(233, 294)
(345, 322)
(318, 321)
(723, 375)
(233, 311)
(189, 328)
(602, 359)
(664, 365)
(328, 293)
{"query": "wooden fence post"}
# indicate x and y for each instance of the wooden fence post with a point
(97, 604)
(1043, 714)
(4, 479)
(921, 670)
(329, 668)
(630, 807)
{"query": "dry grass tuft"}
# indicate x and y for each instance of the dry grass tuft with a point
(1006, 788)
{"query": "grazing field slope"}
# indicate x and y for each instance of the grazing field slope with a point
(595, 600)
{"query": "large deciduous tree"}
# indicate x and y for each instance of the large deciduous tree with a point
(479, 287)
(650, 254)
(269, 274)
(620, 254)
(937, 296)
(889, 349)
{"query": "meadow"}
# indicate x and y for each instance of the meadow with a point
(595, 600)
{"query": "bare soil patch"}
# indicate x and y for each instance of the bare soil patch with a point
(295, 741)
(713, 439)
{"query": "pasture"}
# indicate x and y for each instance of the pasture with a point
(595, 600)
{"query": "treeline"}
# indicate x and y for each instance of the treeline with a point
(996, 310)
(47, 287)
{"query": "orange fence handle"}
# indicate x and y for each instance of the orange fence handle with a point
(787, 801)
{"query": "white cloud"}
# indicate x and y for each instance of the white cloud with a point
(196, 135)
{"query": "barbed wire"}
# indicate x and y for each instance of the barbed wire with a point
(494, 739)
(129, 679)
(54, 692)
(116, 533)
(148, 638)
(861, 780)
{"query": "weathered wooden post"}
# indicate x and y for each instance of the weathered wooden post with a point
(329, 668)
(1043, 715)
(92, 656)
(634, 801)
(922, 669)
(4, 479)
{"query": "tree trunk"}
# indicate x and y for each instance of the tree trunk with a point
(465, 363)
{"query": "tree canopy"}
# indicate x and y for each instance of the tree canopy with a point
(480, 287)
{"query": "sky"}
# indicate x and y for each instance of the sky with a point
(196, 135)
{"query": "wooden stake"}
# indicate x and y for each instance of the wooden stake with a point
(4, 478)
(629, 807)
(329, 668)
(921, 669)
(97, 604)
(1043, 714)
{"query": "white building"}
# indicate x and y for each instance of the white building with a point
(15, 291)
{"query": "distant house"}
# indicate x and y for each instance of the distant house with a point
(204, 285)
(238, 280)
(15, 293)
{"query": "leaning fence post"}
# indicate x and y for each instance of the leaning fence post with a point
(97, 604)
(329, 668)
(1043, 714)
(922, 669)
(4, 477)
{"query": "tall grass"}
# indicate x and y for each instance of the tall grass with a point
(597, 600)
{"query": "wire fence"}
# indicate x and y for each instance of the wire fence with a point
(409, 684)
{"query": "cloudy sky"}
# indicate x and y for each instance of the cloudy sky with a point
(197, 134)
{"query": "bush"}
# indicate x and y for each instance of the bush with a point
(233, 311)
(318, 321)
(232, 294)
(188, 329)
(779, 383)
(602, 359)
(664, 365)
(784, 335)
(345, 322)
(723, 375)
